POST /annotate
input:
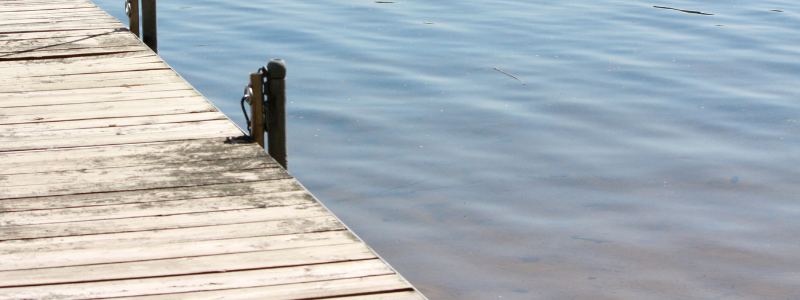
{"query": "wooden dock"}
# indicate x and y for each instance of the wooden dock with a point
(119, 180)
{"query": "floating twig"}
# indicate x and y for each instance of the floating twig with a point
(512, 76)
(686, 11)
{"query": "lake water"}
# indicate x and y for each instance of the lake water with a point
(651, 153)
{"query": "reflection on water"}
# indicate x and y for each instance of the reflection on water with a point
(649, 155)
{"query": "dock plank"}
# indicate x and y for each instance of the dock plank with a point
(161, 208)
(154, 238)
(69, 112)
(134, 79)
(256, 214)
(98, 77)
(218, 263)
(30, 101)
(177, 178)
(95, 91)
(133, 155)
(46, 129)
(301, 282)
(109, 255)
(45, 67)
(150, 195)
(121, 136)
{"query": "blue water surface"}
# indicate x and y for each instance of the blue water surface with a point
(612, 149)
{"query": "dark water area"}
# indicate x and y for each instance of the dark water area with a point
(533, 149)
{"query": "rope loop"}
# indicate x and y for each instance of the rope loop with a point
(128, 8)
(247, 97)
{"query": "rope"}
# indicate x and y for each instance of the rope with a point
(248, 94)
(248, 97)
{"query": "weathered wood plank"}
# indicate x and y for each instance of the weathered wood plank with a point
(153, 195)
(50, 24)
(141, 173)
(56, 46)
(309, 290)
(23, 19)
(109, 255)
(52, 82)
(133, 155)
(155, 208)
(302, 282)
(102, 64)
(125, 135)
(59, 82)
(44, 66)
(138, 178)
(32, 73)
(63, 67)
(42, 8)
(40, 130)
(171, 132)
(45, 28)
(12, 232)
(136, 108)
(96, 91)
(68, 50)
(134, 78)
(167, 94)
(403, 295)
(76, 12)
(189, 265)
(34, 36)
(152, 238)
(34, 3)
(95, 127)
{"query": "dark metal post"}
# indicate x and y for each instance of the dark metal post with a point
(276, 99)
(257, 108)
(132, 9)
(149, 24)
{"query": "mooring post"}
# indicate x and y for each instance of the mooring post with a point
(132, 10)
(276, 99)
(257, 108)
(149, 24)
